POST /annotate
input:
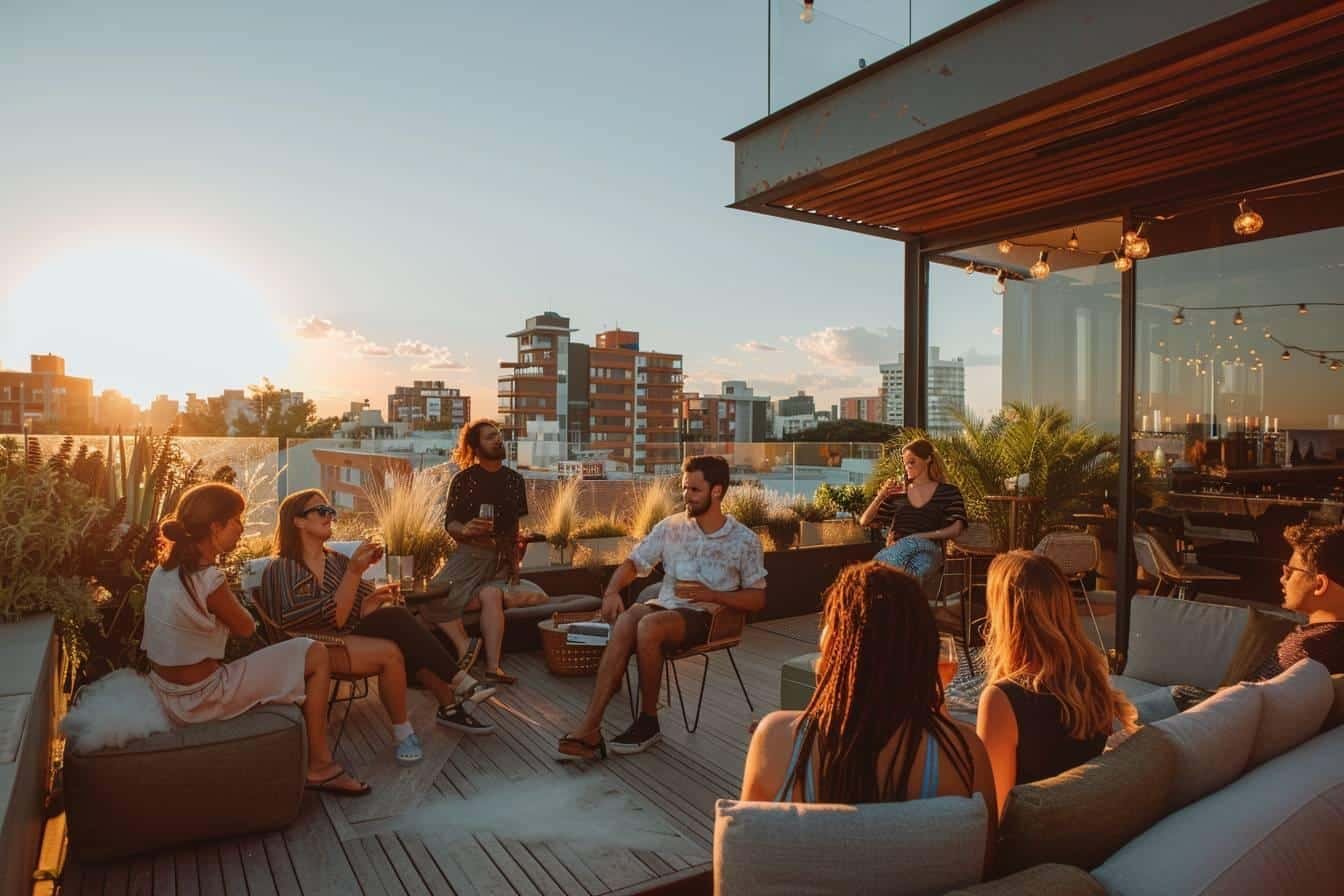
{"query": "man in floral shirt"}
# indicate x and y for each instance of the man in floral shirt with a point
(710, 561)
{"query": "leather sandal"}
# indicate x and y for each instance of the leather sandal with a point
(572, 748)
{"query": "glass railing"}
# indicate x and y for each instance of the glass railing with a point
(843, 37)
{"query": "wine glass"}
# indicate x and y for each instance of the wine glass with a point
(947, 658)
(487, 512)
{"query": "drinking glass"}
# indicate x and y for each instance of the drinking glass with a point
(947, 658)
(487, 512)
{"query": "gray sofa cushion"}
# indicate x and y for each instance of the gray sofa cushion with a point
(214, 779)
(1057, 880)
(1183, 642)
(1153, 701)
(785, 849)
(1213, 742)
(1293, 706)
(1277, 829)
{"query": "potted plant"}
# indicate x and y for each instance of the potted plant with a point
(812, 515)
(562, 519)
(606, 536)
(749, 505)
(406, 508)
(655, 502)
(781, 526)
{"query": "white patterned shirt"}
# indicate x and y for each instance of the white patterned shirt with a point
(728, 559)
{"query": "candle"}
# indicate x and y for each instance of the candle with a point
(1276, 424)
(1167, 423)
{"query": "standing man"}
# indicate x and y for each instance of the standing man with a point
(710, 561)
(486, 502)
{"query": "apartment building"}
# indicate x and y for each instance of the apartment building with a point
(429, 402)
(946, 391)
(736, 414)
(347, 474)
(45, 394)
(868, 408)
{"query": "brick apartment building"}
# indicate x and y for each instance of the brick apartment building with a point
(736, 414)
(45, 394)
(867, 408)
(345, 474)
(428, 401)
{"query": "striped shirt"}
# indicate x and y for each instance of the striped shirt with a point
(945, 507)
(296, 601)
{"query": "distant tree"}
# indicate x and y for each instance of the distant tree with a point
(844, 431)
(209, 423)
(322, 427)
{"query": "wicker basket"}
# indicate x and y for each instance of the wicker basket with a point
(568, 659)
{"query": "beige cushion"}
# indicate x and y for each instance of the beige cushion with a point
(1182, 641)
(1081, 816)
(1057, 880)
(1260, 639)
(920, 846)
(1293, 706)
(1277, 829)
(1213, 742)
(1336, 715)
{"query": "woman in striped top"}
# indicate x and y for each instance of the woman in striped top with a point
(308, 588)
(926, 510)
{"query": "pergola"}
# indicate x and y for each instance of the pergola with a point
(1033, 115)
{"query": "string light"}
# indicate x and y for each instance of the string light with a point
(1301, 307)
(806, 15)
(1134, 245)
(1041, 269)
(1286, 355)
(1179, 317)
(1000, 283)
(1237, 319)
(1335, 365)
(1247, 222)
(1123, 262)
(970, 268)
(1072, 244)
(1005, 246)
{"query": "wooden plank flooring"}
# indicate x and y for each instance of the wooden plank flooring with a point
(488, 815)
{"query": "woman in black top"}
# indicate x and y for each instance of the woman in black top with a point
(1050, 705)
(925, 510)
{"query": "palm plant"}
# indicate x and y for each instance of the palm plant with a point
(1069, 466)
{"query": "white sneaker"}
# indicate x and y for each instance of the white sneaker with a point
(409, 750)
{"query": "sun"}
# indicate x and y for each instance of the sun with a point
(145, 315)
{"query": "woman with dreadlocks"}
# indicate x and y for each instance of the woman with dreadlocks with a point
(876, 729)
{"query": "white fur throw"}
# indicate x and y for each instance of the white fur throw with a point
(118, 708)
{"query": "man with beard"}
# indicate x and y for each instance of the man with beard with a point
(710, 561)
(486, 502)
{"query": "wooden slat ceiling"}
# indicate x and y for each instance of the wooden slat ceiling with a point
(1260, 94)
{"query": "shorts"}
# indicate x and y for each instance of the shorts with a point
(697, 627)
(468, 569)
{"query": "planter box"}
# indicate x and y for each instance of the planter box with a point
(831, 532)
(537, 556)
(610, 550)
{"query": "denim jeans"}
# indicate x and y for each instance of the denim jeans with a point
(917, 556)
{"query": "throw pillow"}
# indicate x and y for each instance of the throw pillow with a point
(919, 846)
(1057, 880)
(1182, 641)
(1261, 638)
(1293, 706)
(1213, 742)
(1081, 816)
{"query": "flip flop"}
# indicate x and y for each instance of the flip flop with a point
(326, 786)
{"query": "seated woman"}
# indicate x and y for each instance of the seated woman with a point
(926, 511)
(309, 588)
(876, 729)
(1050, 705)
(190, 611)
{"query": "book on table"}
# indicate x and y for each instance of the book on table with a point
(595, 634)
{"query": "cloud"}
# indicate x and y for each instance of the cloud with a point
(373, 350)
(314, 327)
(852, 346)
(414, 348)
(444, 364)
(755, 346)
(813, 383)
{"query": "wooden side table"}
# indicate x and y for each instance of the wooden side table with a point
(1013, 502)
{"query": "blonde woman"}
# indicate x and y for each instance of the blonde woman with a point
(1050, 705)
(925, 509)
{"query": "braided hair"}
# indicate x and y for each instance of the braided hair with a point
(878, 681)
(189, 525)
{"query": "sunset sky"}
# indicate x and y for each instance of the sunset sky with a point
(345, 197)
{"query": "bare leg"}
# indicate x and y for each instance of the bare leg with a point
(317, 688)
(457, 633)
(655, 631)
(611, 669)
(442, 690)
(491, 604)
(381, 657)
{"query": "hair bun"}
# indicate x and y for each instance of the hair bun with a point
(173, 530)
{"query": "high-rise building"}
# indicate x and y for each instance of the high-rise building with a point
(797, 405)
(946, 391)
(867, 408)
(429, 402)
(612, 396)
(163, 413)
(112, 411)
(45, 394)
(736, 414)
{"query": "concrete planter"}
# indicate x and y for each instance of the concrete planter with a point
(537, 556)
(610, 550)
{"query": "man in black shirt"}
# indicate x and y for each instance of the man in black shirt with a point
(1313, 584)
(486, 503)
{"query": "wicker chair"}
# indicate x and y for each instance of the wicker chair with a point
(337, 653)
(1077, 554)
(975, 543)
(1178, 577)
(725, 633)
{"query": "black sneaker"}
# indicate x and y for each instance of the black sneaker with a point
(459, 719)
(643, 734)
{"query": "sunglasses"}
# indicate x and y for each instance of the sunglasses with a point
(322, 509)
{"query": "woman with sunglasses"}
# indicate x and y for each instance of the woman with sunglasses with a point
(309, 588)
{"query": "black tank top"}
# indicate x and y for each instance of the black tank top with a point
(1044, 747)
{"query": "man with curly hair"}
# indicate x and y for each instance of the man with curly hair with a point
(1313, 584)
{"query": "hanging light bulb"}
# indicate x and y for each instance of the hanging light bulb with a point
(1122, 262)
(970, 268)
(1041, 269)
(1073, 241)
(1005, 246)
(1335, 365)
(1137, 248)
(1237, 319)
(806, 15)
(1179, 317)
(1286, 355)
(1000, 283)
(1301, 307)
(1246, 222)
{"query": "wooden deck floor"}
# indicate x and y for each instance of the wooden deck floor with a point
(497, 814)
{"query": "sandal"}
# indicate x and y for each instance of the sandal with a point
(499, 678)
(572, 747)
(328, 785)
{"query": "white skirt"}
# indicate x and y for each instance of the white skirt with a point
(273, 674)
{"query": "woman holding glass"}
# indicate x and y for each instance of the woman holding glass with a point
(309, 588)
(926, 510)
